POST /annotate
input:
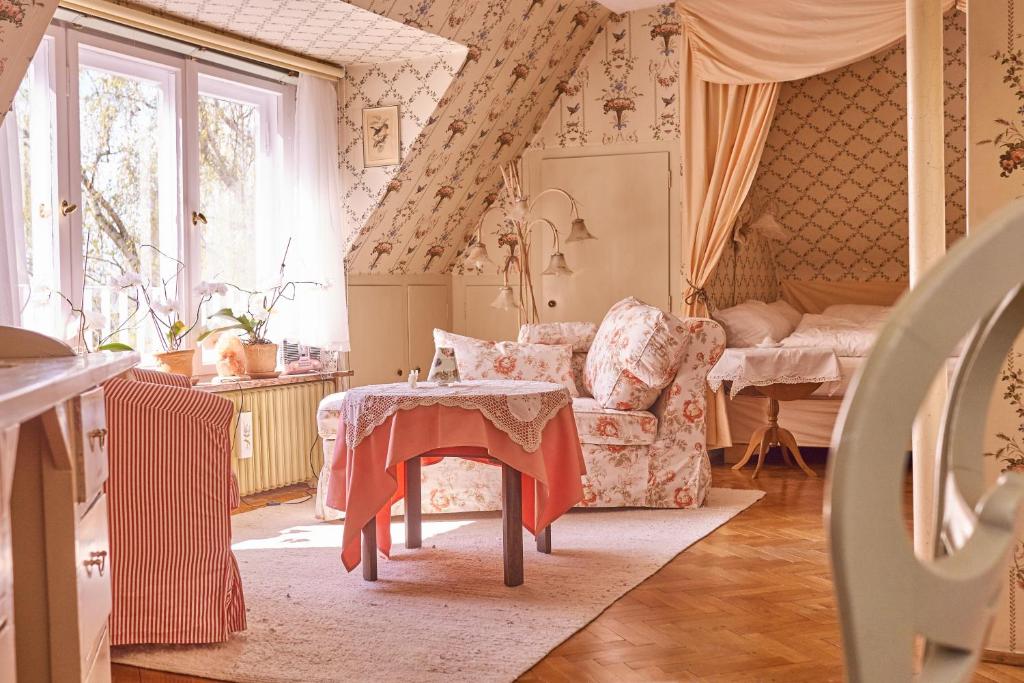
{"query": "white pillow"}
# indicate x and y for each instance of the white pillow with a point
(858, 313)
(752, 322)
(791, 315)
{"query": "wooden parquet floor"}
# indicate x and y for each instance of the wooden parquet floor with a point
(751, 602)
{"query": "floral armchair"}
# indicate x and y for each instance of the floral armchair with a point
(653, 457)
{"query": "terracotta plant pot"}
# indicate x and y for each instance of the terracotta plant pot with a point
(261, 359)
(176, 362)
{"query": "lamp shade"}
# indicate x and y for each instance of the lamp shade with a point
(578, 232)
(506, 300)
(557, 265)
(477, 256)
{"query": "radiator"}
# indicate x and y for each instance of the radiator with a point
(286, 449)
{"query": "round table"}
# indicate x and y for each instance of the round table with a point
(779, 373)
(773, 434)
(385, 431)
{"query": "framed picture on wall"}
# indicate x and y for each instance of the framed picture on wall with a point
(381, 143)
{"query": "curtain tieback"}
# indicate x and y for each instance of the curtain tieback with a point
(697, 294)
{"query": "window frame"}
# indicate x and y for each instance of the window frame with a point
(276, 98)
(277, 132)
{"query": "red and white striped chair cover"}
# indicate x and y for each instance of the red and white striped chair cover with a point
(157, 377)
(170, 496)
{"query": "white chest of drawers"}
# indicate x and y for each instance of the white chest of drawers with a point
(54, 553)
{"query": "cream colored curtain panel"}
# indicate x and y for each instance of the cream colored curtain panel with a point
(764, 41)
(724, 129)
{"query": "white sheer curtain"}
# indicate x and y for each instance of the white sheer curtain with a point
(12, 241)
(321, 314)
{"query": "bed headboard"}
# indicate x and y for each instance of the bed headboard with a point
(814, 296)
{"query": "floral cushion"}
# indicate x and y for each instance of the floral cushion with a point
(579, 335)
(604, 425)
(579, 369)
(634, 356)
(479, 359)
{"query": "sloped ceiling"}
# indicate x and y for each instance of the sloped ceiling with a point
(327, 30)
(520, 51)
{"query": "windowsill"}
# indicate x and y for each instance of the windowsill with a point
(205, 381)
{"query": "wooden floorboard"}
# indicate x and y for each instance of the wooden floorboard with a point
(751, 602)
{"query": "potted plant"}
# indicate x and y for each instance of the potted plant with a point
(172, 329)
(260, 352)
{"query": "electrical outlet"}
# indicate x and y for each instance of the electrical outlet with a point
(244, 436)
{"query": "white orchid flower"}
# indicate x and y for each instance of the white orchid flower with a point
(205, 289)
(163, 307)
(127, 280)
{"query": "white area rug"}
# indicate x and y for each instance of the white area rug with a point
(439, 613)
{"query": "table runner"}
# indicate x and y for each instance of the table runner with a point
(520, 409)
(759, 367)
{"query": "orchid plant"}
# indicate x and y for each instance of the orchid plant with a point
(164, 312)
(260, 304)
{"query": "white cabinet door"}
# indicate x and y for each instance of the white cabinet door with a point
(625, 200)
(429, 307)
(378, 333)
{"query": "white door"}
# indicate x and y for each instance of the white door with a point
(429, 307)
(379, 334)
(624, 198)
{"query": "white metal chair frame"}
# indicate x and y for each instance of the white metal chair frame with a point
(886, 595)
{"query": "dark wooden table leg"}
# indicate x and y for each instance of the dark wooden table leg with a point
(413, 510)
(544, 540)
(512, 524)
(370, 550)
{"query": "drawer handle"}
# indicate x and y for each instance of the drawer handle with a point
(96, 559)
(98, 434)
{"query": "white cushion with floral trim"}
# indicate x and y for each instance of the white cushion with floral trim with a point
(480, 359)
(634, 356)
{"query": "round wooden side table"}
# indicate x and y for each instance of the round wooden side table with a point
(773, 434)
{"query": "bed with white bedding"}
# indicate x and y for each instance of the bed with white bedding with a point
(849, 330)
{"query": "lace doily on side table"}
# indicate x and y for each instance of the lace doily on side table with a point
(760, 367)
(519, 409)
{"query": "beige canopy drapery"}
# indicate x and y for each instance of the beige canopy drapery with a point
(731, 63)
(724, 127)
(764, 41)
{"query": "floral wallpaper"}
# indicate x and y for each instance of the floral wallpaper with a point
(327, 30)
(746, 271)
(22, 23)
(995, 121)
(416, 86)
(834, 169)
(625, 89)
(518, 54)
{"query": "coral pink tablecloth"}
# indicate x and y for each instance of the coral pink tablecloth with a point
(368, 479)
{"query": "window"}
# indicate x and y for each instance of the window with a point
(161, 166)
(35, 107)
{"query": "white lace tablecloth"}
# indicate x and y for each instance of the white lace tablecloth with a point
(519, 409)
(763, 366)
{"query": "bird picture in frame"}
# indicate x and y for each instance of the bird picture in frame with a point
(381, 140)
